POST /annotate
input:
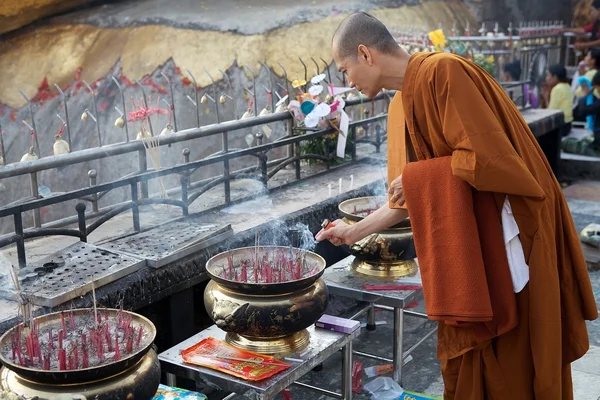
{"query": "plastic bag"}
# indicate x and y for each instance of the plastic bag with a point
(384, 388)
(591, 235)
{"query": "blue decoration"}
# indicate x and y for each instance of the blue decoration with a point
(307, 107)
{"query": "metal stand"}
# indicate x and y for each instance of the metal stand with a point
(323, 344)
(343, 282)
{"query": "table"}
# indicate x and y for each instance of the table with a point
(344, 282)
(323, 344)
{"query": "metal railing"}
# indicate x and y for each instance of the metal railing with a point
(188, 191)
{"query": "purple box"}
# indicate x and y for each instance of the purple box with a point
(337, 324)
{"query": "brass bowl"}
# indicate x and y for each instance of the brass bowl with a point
(389, 253)
(89, 374)
(268, 318)
(139, 381)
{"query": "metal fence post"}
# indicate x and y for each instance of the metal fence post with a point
(185, 180)
(37, 217)
(135, 209)
(143, 167)
(92, 174)
(80, 208)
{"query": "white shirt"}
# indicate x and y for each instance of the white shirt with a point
(519, 270)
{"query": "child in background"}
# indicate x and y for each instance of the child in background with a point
(560, 96)
(589, 105)
(592, 64)
(588, 100)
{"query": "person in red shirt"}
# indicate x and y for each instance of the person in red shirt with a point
(592, 28)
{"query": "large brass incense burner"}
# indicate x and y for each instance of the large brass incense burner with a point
(389, 253)
(133, 375)
(269, 314)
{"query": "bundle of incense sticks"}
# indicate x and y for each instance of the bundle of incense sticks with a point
(269, 266)
(363, 212)
(75, 341)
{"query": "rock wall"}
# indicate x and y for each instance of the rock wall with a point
(15, 14)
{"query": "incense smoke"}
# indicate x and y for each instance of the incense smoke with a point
(278, 233)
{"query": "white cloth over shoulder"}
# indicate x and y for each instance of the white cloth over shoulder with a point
(519, 270)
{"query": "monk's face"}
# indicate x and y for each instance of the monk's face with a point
(361, 71)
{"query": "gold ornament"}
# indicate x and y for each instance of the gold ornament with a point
(30, 156)
(167, 131)
(144, 134)
(281, 108)
(248, 114)
(204, 99)
(223, 99)
(85, 115)
(265, 111)
(60, 146)
(120, 122)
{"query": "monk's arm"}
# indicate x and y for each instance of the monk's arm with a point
(482, 153)
(383, 218)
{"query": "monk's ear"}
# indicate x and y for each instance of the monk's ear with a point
(365, 54)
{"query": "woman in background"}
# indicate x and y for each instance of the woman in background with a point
(592, 64)
(559, 95)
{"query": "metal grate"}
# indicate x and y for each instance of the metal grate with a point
(171, 241)
(68, 273)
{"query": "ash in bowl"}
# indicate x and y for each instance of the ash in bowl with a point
(75, 340)
(266, 265)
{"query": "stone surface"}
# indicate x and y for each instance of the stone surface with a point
(145, 35)
(15, 14)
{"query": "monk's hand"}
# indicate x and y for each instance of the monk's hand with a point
(337, 232)
(396, 191)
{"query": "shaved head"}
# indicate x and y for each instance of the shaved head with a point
(362, 28)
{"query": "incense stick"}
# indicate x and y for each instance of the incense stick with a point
(95, 307)
(152, 146)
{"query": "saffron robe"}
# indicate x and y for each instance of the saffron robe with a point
(451, 107)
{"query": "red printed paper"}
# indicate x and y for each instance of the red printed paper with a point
(218, 355)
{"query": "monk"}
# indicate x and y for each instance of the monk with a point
(446, 106)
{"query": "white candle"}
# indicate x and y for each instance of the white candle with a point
(340, 186)
(329, 190)
(351, 182)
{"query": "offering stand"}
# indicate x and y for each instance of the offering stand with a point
(322, 345)
(342, 280)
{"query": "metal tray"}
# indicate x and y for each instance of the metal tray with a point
(170, 242)
(68, 273)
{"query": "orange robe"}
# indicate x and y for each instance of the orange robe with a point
(453, 108)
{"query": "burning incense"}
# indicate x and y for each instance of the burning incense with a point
(95, 307)
(268, 266)
(37, 347)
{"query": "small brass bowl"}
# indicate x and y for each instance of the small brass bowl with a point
(389, 253)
